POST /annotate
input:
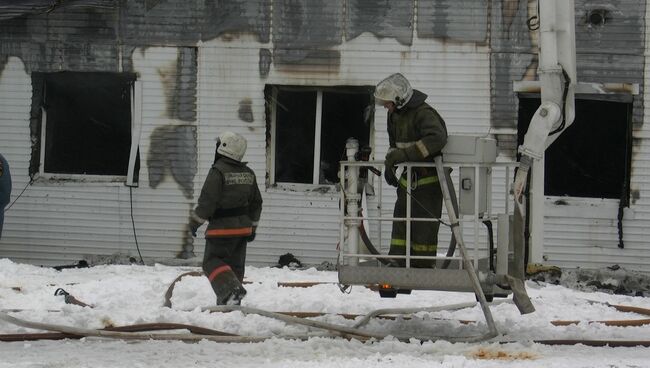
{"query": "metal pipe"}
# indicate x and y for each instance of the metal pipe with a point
(461, 246)
(352, 199)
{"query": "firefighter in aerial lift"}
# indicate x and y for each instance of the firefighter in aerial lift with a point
(230, 199)
(417, 133)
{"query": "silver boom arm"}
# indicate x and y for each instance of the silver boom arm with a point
(557, 77)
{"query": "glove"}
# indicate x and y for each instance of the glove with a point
(251, 237)
(389, 175)
(393, 158)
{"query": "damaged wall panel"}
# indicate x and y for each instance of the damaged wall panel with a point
(65, 39)
(170, 144)
(457, 20)
(511, 59)
(161, 24)
(181, 87)
(222, 16)
(383, 18)
(305, 32)
(173, 152)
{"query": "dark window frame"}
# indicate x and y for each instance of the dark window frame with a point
(106, 117)
(597, 180)
(316, 161)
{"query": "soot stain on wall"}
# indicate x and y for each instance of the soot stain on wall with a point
(180, 85)
(304, 31)
(458, 20)
(245, 111)
(383, 18)
(265, 62)
(173, 152)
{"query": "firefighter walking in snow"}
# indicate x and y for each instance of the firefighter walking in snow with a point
(231, 203)
(416, 133)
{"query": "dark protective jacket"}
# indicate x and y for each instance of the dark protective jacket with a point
(230, 200)
(417, 128)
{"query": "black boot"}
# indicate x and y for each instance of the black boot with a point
(228, 289)
(234, 298)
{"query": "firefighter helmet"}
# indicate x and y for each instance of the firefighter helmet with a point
(231, 145)
(396, 88)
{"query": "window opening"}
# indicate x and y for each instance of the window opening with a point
(592, 157)
(310, 126)
(87, 121)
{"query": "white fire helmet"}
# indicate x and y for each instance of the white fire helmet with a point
(396, 88)
(231, 145)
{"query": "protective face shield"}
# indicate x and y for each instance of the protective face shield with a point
(396, 88)
(231, 145)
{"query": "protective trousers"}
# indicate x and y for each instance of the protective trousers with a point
(426, 202)
(223, 264)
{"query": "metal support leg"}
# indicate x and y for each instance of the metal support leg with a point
(517, 274)
(453, 219)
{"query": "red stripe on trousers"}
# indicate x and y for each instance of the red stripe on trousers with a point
(217, 271)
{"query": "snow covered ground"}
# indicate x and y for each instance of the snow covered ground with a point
(134, 294)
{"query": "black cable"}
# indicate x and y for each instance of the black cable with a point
(31, 181)
(135, 236)
(491, 250)
(427, 211)
(533, 23)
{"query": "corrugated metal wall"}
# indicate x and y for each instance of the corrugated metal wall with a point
(199, 62)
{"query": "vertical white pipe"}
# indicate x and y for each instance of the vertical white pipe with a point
(352, 200)
(317, 138)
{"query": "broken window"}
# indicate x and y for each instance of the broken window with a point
(591, 158)
(86, 122)
(309, 128)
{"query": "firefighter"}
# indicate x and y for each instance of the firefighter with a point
(230, 201)
(416, 133)
(5, 189)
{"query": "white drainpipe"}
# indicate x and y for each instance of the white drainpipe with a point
(352, 197)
